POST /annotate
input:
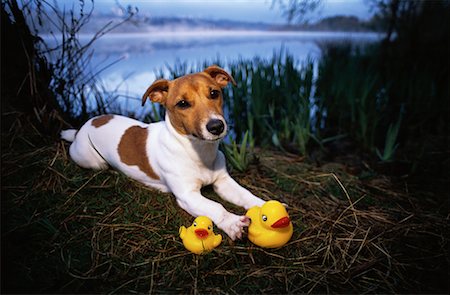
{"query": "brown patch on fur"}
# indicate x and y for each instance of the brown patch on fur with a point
(132, 150)
(101, 120)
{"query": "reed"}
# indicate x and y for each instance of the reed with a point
(239, 155)
(390, 145)
(272, 96)
(350, 92)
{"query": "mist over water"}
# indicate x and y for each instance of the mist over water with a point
(130, 62)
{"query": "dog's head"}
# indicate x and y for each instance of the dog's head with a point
(194, 102)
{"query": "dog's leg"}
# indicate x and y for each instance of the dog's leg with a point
(227, 188)
(85, 154)
(197, 205)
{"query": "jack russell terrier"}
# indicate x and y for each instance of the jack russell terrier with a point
(178, 155)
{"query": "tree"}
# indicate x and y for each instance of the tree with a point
(297, 9)
(396, 14)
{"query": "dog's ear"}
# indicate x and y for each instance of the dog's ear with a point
(220, 75)
(157, 92)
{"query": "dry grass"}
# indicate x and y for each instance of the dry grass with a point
(66, 229)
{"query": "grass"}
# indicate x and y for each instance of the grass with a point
(239, 156)
(391, 144)
(70, 230)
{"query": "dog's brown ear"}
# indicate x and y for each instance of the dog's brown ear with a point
(157, 92)
(220, 75)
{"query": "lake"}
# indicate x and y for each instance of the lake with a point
(136, 59)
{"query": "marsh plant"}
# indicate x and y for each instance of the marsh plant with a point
(391, 144)
(349, 92)
(240, 155)
(272, 100)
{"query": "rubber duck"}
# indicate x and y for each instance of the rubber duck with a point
(199, 238)
(270, 226)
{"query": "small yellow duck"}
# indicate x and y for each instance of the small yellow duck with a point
(270, 225)
(199, 238)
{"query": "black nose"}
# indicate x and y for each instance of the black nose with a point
(215, 126)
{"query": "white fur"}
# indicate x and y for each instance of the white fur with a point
(183, 163)
(68, 134)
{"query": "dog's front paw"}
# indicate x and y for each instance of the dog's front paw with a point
(234, 225)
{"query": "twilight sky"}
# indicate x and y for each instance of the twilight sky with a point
(242, 10)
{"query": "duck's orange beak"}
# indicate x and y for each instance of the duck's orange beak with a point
(201, 233)
(282, 222)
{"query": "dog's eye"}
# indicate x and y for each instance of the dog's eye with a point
(214, 94)
(183, 104)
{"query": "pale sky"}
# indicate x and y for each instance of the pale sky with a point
(241, 10)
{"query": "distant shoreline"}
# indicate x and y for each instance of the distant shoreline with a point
(185, 25)
(207, 33)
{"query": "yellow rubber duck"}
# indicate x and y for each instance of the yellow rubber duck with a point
(270, 225)
(199, 238)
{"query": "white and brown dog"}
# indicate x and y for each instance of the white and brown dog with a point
(178, 155)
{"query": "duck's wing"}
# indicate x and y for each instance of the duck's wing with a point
(182, 232)
(257, 231)
(253, 212)
(217, 240)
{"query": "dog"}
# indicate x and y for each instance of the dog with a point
(178, 155)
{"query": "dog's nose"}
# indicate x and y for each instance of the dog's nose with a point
(215, 126)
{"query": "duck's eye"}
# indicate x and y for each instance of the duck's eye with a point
(209, 227)
(183, 104)
(195, 223)
(214, 94)
(264, 218)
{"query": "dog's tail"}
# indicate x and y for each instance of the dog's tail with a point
(69, 134)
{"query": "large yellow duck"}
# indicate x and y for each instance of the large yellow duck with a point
(199, 238)
(270, 225)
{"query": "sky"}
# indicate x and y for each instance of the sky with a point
(240, 10)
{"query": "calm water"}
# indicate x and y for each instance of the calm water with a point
(142, 56)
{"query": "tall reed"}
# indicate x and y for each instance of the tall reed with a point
(272, 100)
(350, 92)
(367, 91)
